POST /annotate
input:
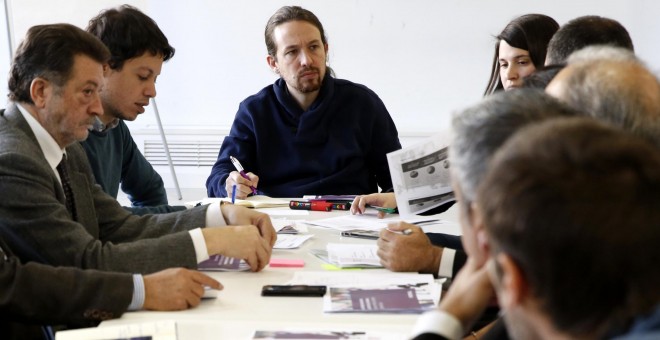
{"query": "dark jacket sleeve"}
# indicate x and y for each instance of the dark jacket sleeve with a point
(385, 139)
(239, 143)
(42, 294)
(159, 209)
(105, 236)
(445, 240)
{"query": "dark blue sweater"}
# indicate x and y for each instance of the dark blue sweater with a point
(337, 146)
(116, 159)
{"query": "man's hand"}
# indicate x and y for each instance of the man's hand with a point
(235, 215)
(242, 185)
(407, 253)
(176, 289)
(241, 242)
(385, 200)
(470, 293)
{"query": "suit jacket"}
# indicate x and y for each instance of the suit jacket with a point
(34, 294)
(37, 226)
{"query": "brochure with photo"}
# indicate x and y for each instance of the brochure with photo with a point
(222, 263)
(414, 298)
(420, 175)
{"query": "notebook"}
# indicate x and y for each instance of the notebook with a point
(257, 201)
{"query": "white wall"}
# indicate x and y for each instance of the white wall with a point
(425, 58)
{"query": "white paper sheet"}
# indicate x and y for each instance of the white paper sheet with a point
(370, 221)
(285, 241)
(353, 254)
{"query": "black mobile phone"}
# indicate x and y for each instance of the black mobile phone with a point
(292, 290)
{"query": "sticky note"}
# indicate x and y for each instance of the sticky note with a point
(287, 263)
(328, 266)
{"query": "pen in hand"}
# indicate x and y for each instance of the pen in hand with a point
(241, 171)
(383, 209)
(402, 232)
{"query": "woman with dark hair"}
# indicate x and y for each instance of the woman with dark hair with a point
(519, 50)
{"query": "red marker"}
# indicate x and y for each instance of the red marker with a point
(314, 205)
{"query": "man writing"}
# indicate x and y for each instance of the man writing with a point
(308, 133)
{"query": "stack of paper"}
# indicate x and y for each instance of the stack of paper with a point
(353, 255)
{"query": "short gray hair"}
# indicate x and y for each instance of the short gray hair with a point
(613, 86)
(601, 52)
(480, 130)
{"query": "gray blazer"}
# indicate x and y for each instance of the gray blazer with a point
(33, 294)
(35, 223)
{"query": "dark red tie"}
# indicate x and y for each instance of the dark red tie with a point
(62, 169)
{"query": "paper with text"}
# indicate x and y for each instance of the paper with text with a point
(420, 175)
(370, 221)
(285, 241)
(353, 255)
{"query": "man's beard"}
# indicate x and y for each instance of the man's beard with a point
(311, 85)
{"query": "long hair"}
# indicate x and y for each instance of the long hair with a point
(530, 32)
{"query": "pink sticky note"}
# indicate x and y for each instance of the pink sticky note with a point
(287, 263)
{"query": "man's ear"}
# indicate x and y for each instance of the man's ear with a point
(40, 90)
(272, 63)
(106, 70)
(512, 287)
(477, 222)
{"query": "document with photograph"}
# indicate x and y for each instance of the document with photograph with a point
(222, 263)
(408, 298)
(420, 175)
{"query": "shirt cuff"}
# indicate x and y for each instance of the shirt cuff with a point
(214, 217)
(438, 322)
(137, 302)
(447, 263)
(199, 243)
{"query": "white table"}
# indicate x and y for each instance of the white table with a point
(239, 309)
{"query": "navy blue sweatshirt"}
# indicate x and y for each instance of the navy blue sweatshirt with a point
(337, 146)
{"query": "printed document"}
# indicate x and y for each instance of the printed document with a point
(420, 175)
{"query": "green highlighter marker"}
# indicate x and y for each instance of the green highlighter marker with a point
(385, 210)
